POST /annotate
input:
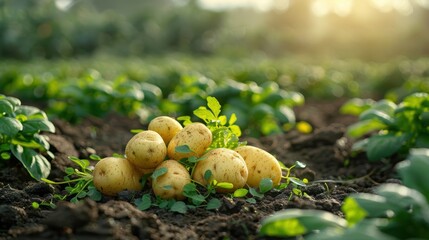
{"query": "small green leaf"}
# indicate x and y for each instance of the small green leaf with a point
(354, 213)
(5, 155)
(183, 149)
(10, 126)
(179, 207)
(204, 114)
(213, 204)
(297, 181)
(159, 172)
(35, 205)
(255, 193)
(94, 194)
(214, 105)
(265, 185)
(144, 203)
(207, 175)
(299, 164)
(225, 185)
(232, 119)
(241, 192)
(251, 200)
(69, 170)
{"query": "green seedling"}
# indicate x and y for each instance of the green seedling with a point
(225, 132)
(392, 212)
(79, 181)
(392, 129)
(20, 136)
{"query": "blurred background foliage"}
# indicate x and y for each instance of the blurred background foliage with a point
(364, 29)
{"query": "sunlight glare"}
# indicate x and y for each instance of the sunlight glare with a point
(323, 7)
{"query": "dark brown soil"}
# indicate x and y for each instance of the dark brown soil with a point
(326, 152)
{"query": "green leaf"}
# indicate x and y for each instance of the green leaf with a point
(376, 114)
(37, 125)
(159, 172)
(36, 164)
(213, 204)
(356, 106)
(414, 171)
(241, 192)
(183, 149)
(207, 175)
(214, 105)
(6, 108)
(204, 114)
(295, 222)
(10, 126)
(255, 193)
(232, 119)
(297, 181)
(299, 164)
(381, 146)
(251, 200)
(5, 155)
(225, 185)
(144, 203)
(363, 127)
(30, 111)
(265, 185)
(354, 213)
(179, 207)
(94, 194)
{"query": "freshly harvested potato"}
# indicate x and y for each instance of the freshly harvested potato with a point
(113, 175)
(196, 135)
(146, 149)
(225, 165)
(166, 126)
(260, 164)
(170, 185)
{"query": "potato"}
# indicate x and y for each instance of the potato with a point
(146, 149)
(225, 165)
(170, 185)
(196, 135)
(113, 175)
(260, 164)
(166, 126)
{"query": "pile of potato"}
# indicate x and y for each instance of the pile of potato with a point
(155, 148)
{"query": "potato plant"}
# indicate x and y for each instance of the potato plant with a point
(20, 136)
(392, 128)
(392, 212)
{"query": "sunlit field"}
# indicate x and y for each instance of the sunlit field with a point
(214, 119)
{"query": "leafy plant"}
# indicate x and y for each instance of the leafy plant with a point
(225, 132)
(79, 181)
(397, 128)
(20, 128)
(393, 212)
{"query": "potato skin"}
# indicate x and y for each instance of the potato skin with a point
(176, 176)
(113, 175)
(146, 149)
(226, 165)
(196, 135)
(166, 126)
(261, 164)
